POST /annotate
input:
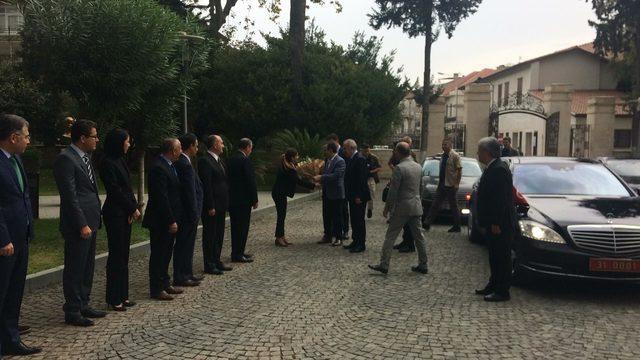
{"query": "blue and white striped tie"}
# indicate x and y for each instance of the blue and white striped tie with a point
(87, 162)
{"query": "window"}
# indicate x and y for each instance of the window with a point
(506, 93)
(621, 138)
(519, 96)
(10, 19)
(500, 95)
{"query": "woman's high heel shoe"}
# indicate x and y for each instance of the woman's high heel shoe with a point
(280, 242)
(284, 239)
(120, 307)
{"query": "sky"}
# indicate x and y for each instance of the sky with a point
(500, 32)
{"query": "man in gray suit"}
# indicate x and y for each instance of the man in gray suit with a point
(333, 195)
(404, 207)
(80, 219)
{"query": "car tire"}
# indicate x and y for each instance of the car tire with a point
(472, 232)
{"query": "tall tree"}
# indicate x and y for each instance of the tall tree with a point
(423, 18)
(618, 33)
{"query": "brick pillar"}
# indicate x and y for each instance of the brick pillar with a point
(557, 98)
(477, 104)
(436, 126)
(601, 118)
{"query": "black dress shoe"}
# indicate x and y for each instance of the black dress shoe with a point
(187, 283)
(118, 308)
(350, 246)
(224, 267)
(419, 269)
(78, 321)
(92, 313)
(485, 291)
(129, 303)
(162, 296)
(19, 349)
(369, 214)
(173, 290)
(197, 278)
(407, 249)
(378, 268)
(357, 249)
(455, 229)
(426, 227)
(397, 246)
(495, 297)
(23, 329)
(242, 260)
(250, 256)
(214, 271)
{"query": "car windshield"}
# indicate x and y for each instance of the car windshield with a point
(625, 168)
(470, 168)
(567, 179)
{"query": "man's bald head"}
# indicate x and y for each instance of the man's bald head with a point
(403, 149)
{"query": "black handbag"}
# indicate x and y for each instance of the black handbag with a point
(385, 192)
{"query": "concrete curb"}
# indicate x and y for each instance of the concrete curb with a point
(54, 276)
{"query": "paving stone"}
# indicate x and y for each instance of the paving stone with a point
(313, 301)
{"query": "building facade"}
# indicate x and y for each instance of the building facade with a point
(11, 21)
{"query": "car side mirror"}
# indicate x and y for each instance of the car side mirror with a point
(522, 209)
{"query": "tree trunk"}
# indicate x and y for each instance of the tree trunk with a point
(424, 127)
(296, 49)
(141, 202)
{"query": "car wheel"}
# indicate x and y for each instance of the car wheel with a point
(472, 231)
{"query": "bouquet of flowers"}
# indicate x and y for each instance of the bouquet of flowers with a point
(308, 168)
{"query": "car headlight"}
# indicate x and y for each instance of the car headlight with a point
(537, 231)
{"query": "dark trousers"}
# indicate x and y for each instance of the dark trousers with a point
(183, 251)
(212, 239)
(358, 226)
(119, 241)
(345, 218)
(240, 221)
(13, 271)
(77, 277)
(281, 209)
(448, 194)
(161, 249)
(407, 239)
(500, 263)
(333, 217)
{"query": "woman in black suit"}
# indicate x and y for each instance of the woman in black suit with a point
(285, 186)
(119, 211)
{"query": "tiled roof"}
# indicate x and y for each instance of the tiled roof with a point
(580, 99)
(466, 80)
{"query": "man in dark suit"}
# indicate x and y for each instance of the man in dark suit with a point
(496, 218)
(213, 174)
(80, 219)
(16, 230)
(191, 196)
(163, 213)
(356, 193)
(332, 180)
(243, 196)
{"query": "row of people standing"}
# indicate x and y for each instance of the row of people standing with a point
(179, 198)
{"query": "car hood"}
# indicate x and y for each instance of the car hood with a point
(572, 210)
(466, 183)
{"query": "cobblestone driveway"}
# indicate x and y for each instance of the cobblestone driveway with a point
(312, 301)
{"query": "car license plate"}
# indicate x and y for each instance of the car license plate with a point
(614, 265)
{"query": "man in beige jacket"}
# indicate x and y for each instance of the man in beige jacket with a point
(450, 176)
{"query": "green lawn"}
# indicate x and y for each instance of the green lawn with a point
(48, 183)
(47, 249)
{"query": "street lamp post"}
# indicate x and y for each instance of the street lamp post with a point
(185, 68)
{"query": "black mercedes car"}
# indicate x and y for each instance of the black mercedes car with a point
(577, 219)
(628, 169)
